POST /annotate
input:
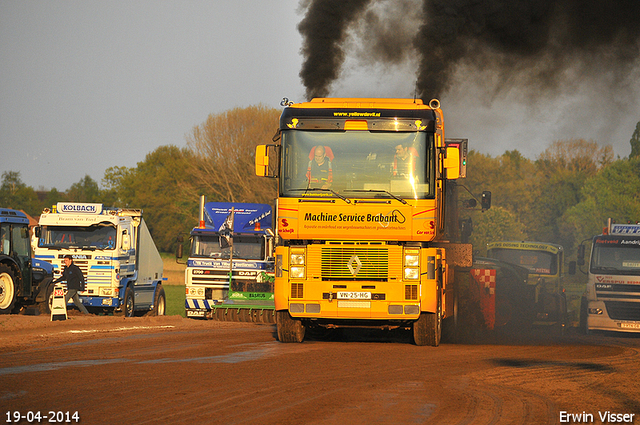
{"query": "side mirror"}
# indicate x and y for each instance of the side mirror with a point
(485, 202)
(452, 163)
(179, 251)
(581, 255)
(572, 268)
(126, 241)
(262, 161)
(38, 231)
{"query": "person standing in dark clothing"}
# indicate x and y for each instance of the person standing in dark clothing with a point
(75, 282)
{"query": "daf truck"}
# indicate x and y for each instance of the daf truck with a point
(612, 298)
(229, 273)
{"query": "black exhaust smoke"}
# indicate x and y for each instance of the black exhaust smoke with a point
(324, 30)
(539, 44)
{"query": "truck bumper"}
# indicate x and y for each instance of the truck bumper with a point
(98, 301)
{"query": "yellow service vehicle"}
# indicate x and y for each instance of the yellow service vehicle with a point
(361, 216)
(545, 262)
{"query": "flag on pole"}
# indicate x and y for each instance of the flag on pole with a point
(226, 230)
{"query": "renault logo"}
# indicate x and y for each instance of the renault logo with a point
(354, 260)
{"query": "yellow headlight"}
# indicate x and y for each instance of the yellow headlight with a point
(297, 259)
(296, 272)
(411, 260)
(411, 273)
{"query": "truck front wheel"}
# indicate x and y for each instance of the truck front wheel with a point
(289, 329)
(427, 330)
(7, 289)
(128, 307)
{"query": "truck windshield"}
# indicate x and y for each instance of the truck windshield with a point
(616, 255)
(537, 262)
(359, 164)
(244, 247)
(97, 236)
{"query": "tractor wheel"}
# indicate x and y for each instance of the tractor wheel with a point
(45, 306)
(7, 289)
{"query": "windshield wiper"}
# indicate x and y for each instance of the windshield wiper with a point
(320, 189)
(606, 268)
(378, 191)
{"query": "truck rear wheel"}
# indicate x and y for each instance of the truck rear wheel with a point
(159, 303)
(7, 289)
(289, 329)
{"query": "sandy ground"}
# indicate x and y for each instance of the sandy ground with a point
(175, 370)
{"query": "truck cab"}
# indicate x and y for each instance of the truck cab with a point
(113, 248)
(229, 273)
(545, 262)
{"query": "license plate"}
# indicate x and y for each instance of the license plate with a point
(354, 295)
(630, 325)
(107, 301)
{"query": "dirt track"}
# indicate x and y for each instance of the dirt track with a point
(175, 370)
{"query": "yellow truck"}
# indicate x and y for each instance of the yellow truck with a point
(361, 233)
(555, 302)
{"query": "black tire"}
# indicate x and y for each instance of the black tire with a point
(244, 315)
(268, 316)
(45, 306)
(7, 289)
(128, 307)
(289, 329)
(427, 330)
(159, 303)
(450, 325)
(220, 314)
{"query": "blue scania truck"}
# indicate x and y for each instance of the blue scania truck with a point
(230, 270)
(24, 281)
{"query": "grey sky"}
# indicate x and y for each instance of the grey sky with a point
(86, 85)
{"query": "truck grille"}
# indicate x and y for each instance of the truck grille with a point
(619, 310)
(345, 262)
(297, 290)
(411, 292)
(607, 290)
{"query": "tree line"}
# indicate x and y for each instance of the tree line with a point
(563, 196)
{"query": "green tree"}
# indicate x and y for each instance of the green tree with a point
(564, 167)
(614, 192)
(223, 151)
(635, 142)
(159, 186)
(513, 180)
(86, 190)
(14, 193)
(495, 224)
